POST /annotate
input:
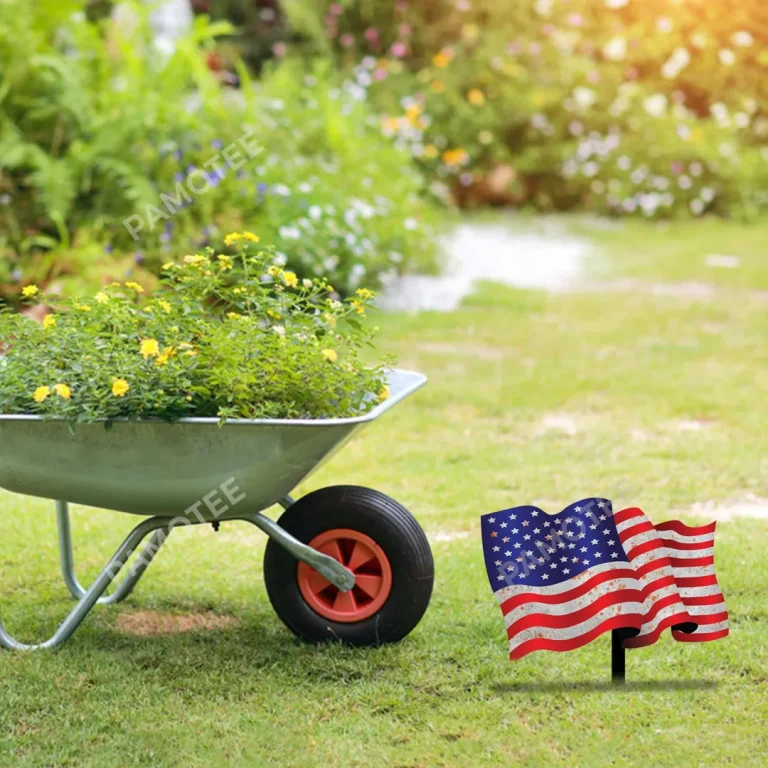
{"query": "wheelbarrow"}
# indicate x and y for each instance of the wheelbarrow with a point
(343, 562)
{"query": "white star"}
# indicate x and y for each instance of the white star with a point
(592, 527)
(563, 559)
(496, 549)
(511, 568)
(602, 517)
(614, 555)
(534, 513)
(513, 517)
(515, 530)
(537, 530)
(566, 570)
(553, 565)
(517, 546)
(594, 541)
(500, 578)
(491, 519)
(503, 525)
(498, 562)
(507, 554)
(606, 531)
(596, 554)
(525, 522)
(547, 524)
(557, 521)
(505, 539)
(527, 536)
(544, 576)
(541, 559)
(601, 504)
(610, 542)
(551, 550)
(523, 575)
(529, 553)
(582, 535)
(583, 549)
(571, 546)
(532, 567)
(561, 545)
(575, 560)
(586, 562)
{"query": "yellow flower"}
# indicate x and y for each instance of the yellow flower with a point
(101, 297)
(359, 308)
(163, 304)
(454, 157)
(29, 291)
(274, 271)
(225, 261)
(437, 86)
(390, 124)
(41, 393)
(475, 97)
(83, 307)
(234, 315)
(238, 290)
(49, 322)
(443, 59)
(232, 237)
(330, 355)
(168, 265)
(120, 387)
(162, 360)
(135, 286)
(365, 293)
(413, 113)
(62, 390)
(330, 319)
(194, 259)
(250, 236)
(431, 151)
(149, 348)
(290, 279)
(384, 394)
(539, 98)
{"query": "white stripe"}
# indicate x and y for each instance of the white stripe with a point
(712, 589)
(690, 554)
(639, 538)
(705, 629)
(561, 609)
(706, 610)
(515, 589)
(695, 572)
(647, 557)
(569, 633)
(632, 522)
(669, 610)
(684, 539)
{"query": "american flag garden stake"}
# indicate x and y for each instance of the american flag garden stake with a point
(563, 580)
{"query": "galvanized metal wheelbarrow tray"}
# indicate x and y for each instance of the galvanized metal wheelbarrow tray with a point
(173, 474)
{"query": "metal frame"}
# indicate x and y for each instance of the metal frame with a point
(160, 528)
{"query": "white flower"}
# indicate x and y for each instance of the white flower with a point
(685, 182)
(742, 39)
(290, 233)
(664, 24)
(315, 212)
(306, 283)
(613, 4)
(615, 49)
(585, 97)
(707, 194)
(543, 7)
(741, 119)
(624, 163)
(676, 63)
(697, 207)
(727, 57)
(696, 169)
(279, 330)
(655, 105)
(411, 224)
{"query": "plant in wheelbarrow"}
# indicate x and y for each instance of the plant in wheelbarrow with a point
(233, 374)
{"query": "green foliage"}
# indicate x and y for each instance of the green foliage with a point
(227, 335)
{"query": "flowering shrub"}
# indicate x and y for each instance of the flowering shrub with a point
(620, 105)
(228, 335)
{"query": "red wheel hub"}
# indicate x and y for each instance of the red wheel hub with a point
(359, 554)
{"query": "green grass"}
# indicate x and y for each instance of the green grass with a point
(626, 373)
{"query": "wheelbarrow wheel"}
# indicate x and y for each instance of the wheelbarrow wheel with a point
(374, 537)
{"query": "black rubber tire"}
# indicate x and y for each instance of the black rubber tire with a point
(392, 527)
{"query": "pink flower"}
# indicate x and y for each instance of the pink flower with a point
(336, 9)
(371, 34)
(547, 30)
(534, 48)
(677, 168)
(575, 19)
(279, 49)
(593, 76)
(514, 48)
(401, 6)
(399, 49)
(405, 30)
(347, 40)
(380, 74)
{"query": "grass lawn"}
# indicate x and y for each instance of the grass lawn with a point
(655, 400)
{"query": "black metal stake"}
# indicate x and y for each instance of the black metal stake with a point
(618, 659)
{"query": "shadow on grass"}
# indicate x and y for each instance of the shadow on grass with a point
(589, 686)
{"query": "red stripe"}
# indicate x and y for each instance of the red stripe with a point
(712, 618)
(627, 514)
(680, 617)
(695, 581)
(686, 530)
(653, 565)
(628, 533)
(704, 600)
(672, 544)
(546, 644)
(571, 594)
(573, 618)
(646, 546)
(699, 638)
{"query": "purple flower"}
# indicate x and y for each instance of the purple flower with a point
(262, 188)
(16, 275)
(178, 177)
(217, 143)
(108, 248)
(138, 257)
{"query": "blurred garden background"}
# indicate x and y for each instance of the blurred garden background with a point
(376, 122)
